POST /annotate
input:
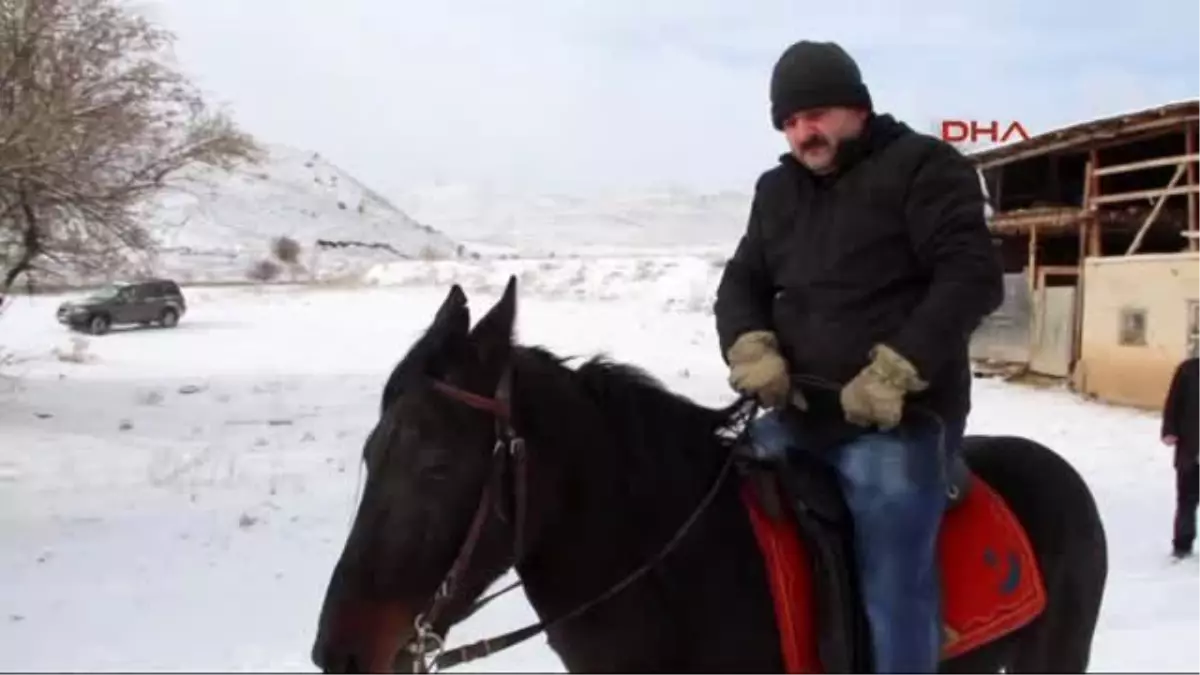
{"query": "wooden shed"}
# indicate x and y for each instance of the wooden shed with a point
(1066, 205)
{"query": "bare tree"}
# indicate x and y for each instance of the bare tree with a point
(286, 250)
(264, 270)
(94, 120)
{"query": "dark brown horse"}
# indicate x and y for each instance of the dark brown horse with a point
(609, 495)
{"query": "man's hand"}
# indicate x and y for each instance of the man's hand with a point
(876, 395)
(1170, 440)
(756, 368)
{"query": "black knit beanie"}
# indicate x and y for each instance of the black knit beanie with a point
(815, 75)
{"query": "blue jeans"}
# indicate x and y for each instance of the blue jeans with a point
(894, 484)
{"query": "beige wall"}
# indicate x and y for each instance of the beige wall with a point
(1160, 285)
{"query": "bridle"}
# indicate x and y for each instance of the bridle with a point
(510, 447)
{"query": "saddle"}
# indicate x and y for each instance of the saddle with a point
(806, 494)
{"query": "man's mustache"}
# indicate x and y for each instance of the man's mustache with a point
(814, 143)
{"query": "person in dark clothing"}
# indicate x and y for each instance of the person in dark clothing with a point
(850, 299)
(1180, 429)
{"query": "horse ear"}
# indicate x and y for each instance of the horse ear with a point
(443, 340)
(453, 318)
(492, 336)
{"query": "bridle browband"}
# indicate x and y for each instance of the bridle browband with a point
(510, 446)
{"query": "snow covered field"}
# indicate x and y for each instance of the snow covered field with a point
(175, 499)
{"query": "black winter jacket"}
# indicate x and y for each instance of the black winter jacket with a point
(1180, 410)
(892, 248)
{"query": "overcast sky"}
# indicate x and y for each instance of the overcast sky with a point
(580, 95)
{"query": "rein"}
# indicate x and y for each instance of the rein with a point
(511, 446)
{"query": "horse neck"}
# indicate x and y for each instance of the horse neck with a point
(616, 444)
(611, 482)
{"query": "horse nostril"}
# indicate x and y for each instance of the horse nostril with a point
(360, 637)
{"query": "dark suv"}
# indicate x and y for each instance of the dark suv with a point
(143, 302)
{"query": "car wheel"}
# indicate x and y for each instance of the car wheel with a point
(169, 318)
(99, 325)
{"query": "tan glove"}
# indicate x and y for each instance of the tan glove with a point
(876, 395)
(757, 369)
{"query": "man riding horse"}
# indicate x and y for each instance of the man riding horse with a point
(846, 310)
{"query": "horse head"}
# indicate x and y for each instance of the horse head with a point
(436, 524)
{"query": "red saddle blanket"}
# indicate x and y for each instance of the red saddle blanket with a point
(991, 584)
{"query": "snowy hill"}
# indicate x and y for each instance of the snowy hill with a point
(213, 225)
(603, 224)
(219, 224)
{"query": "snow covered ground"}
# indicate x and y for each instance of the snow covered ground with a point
(175, 499)
(674, 282)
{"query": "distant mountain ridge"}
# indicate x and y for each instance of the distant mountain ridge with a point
(600, 224)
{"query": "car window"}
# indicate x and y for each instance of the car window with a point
(103, 294)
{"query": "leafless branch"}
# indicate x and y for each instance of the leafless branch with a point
(93, 122)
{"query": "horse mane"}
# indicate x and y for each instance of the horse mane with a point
(635, 403)
(662, 447)
(652, 433)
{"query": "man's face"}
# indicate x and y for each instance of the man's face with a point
(814, 135)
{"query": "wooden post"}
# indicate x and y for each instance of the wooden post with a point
(1077, 321)
(1189, 139)
(1032, 268)
(1088, 225)
(1085, 228)
(1090, 237)
(1093, 191)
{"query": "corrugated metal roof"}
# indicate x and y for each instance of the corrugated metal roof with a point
(1084, 133)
